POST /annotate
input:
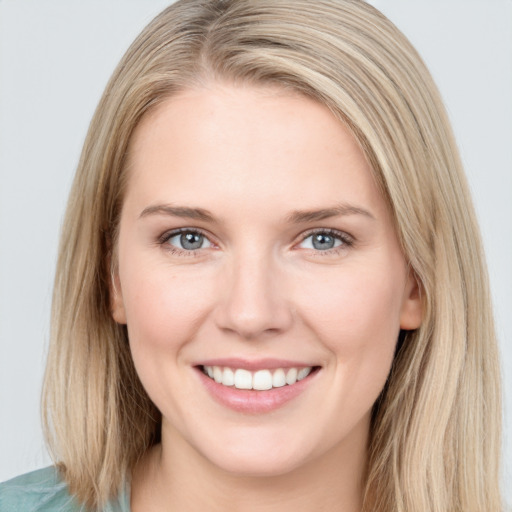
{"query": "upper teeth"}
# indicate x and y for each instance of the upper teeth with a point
(259, 380)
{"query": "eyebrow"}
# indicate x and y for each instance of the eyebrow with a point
(296, 217)
(302, 216)
(178, 211)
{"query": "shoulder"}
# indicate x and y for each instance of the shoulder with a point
(39, 491)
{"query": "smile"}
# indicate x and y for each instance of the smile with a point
(260, 380)
(256, 387)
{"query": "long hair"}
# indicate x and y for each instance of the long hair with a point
(435, 432)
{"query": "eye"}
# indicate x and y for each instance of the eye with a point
(187, 240)
(325, 240)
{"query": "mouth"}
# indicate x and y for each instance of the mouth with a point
(260, 380)
(255, 387)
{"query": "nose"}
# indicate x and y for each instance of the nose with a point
(254, 302)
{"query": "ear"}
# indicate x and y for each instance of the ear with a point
(411, 314)
(116, 299)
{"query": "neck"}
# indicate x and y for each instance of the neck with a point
(175, 477)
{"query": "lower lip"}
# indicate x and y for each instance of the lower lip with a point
(254, 402)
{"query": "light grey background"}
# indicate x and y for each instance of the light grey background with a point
(55, 59)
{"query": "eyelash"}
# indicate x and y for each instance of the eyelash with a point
(163, 239)
(346, 240)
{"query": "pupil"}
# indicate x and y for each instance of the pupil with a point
(191, 241)
(323, 242)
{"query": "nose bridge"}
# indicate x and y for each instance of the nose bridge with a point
(254, 301)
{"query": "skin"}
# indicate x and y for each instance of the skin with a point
(252, 156)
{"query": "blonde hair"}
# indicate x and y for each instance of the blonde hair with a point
(435, 435)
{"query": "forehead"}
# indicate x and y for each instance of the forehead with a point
(247, 142)
(242, 110)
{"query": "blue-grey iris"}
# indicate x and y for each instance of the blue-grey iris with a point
(321, 241)
(191, 241)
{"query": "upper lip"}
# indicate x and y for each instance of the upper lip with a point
(254, 364)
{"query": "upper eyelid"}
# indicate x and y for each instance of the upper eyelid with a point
(329, 231)
(173, 232)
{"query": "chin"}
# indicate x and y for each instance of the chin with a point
(258, 453)
(257, 465)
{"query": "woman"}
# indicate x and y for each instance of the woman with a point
(270, 285)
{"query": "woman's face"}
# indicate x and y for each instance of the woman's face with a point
(255, 246)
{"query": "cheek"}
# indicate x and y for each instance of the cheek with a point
(355, 304)
(164, 307)
(358, 319)
(164, 310)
